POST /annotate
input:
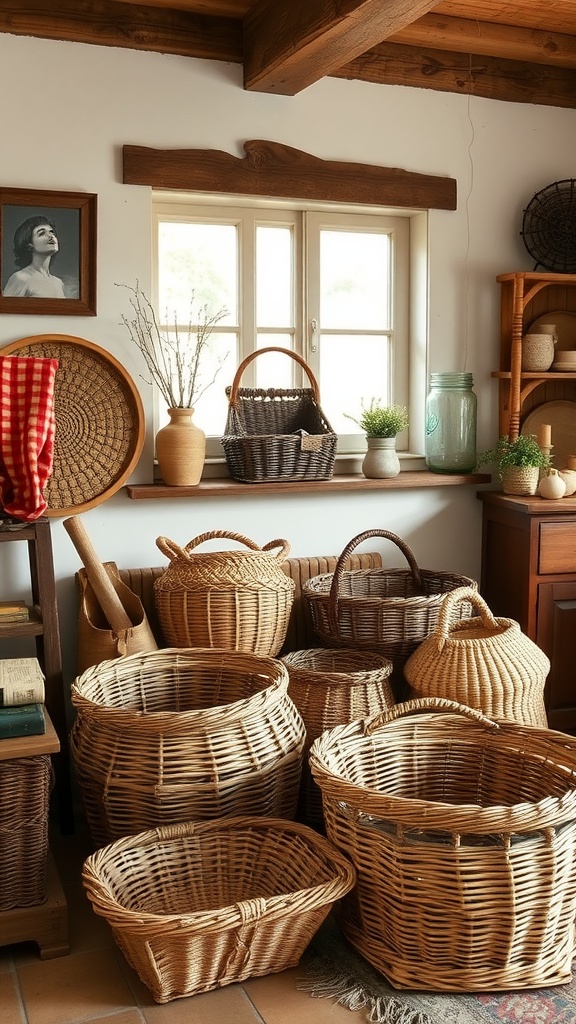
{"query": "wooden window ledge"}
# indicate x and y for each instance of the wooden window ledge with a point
(227, 488)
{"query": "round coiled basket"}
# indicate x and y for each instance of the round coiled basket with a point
(175, 735)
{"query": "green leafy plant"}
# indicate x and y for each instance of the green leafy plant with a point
(523, 451)
(175, 359)
(381, 420)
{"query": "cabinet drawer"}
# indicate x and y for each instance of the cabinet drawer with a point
(557, 548)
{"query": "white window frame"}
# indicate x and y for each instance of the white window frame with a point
(409, 363)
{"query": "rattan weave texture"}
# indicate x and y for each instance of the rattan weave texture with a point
(175, 734)
(25, 784)
(99, 417)
(463, 834)
(483, 662)
(200, 905)
(331, 687)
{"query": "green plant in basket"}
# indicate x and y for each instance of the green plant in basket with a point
(523, 451)
(377, 420)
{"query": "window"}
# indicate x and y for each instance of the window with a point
(331, 286)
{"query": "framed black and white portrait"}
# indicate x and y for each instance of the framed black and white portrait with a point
(47, 252)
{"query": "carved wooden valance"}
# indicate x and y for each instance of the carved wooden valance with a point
(272, 169)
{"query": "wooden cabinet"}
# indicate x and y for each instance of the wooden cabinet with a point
(524, 298)
(529, 574)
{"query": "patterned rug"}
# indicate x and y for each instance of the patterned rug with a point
(337, 972)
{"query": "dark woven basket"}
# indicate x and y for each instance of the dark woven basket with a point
(549, 227)
(277, 434)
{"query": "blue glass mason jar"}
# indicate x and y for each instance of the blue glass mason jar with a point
(451, 423)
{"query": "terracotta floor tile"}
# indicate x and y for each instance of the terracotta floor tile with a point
(221, 1006)
(125, 1017)
(11, 1010)
(278, 1001)
(72, 988)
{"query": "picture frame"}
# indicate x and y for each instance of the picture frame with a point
(60, 276)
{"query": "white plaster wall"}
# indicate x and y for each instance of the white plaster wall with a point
(67, 110)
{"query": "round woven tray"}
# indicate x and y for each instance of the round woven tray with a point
(100, 427)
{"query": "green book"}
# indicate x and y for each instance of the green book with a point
(22, 720)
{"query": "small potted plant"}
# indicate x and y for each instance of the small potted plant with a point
(381, 425)
(519, 463)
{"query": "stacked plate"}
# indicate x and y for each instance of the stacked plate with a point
(565, 361)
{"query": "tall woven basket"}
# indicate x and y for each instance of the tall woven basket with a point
(175, 735)
(204, 904)
(484, 662)
(277, 434)
(463, 835)
(235, 599)
(331, 687)
(386, 610)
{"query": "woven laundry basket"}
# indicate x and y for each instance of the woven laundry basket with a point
(199, 905)
(240, 600)
(174, 735)
(387, 610)
(484, 662)
(330, 687)
(463, 835)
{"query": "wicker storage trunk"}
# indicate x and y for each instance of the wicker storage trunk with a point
(277, 434)
(483, 662)
(235, 599)
(198, 906)
(175, 735)
(25, 784)
(385, 610)
(463, 835)
(331, 687)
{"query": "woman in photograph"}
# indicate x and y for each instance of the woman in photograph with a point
(35, 245)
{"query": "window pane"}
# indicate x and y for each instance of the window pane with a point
(274, 370)
(219, 363)
(274, 276)
(343, 363)
(354, 280)
(199, 259)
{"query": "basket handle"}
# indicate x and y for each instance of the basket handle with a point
(454, 598)
(409, 707)
(272, 348)
(339, 569)
(172, 550)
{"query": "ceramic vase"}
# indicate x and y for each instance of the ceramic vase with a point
(552, 485)
(381, 460)
(181, 449)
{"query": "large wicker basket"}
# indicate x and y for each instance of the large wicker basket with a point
(200, 905)
(484, 662)
(277, 434)
(331, 687)
(386, 610)
(240, 600)
(463, 835)
(175, 735)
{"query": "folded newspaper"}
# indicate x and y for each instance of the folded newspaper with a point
(21, 682)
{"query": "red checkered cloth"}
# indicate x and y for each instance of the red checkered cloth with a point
(27, 429)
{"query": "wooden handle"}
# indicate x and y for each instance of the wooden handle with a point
(106, 596)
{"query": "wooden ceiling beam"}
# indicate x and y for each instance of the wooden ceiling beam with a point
(290, 44)
(461, 35)
(134, 27)
(467, 74)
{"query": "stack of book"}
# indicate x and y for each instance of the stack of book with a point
(22, 695)
(13, 611)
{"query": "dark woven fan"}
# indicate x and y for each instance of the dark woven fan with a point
(549, 227)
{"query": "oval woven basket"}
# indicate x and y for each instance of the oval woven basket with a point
(331, 687)
(174, 735)
(463, 835)
(200, 905)
(240, 600)
(386, 610)
(484, 662)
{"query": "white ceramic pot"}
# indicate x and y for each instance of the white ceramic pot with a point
(552, 485)
(381, 460)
